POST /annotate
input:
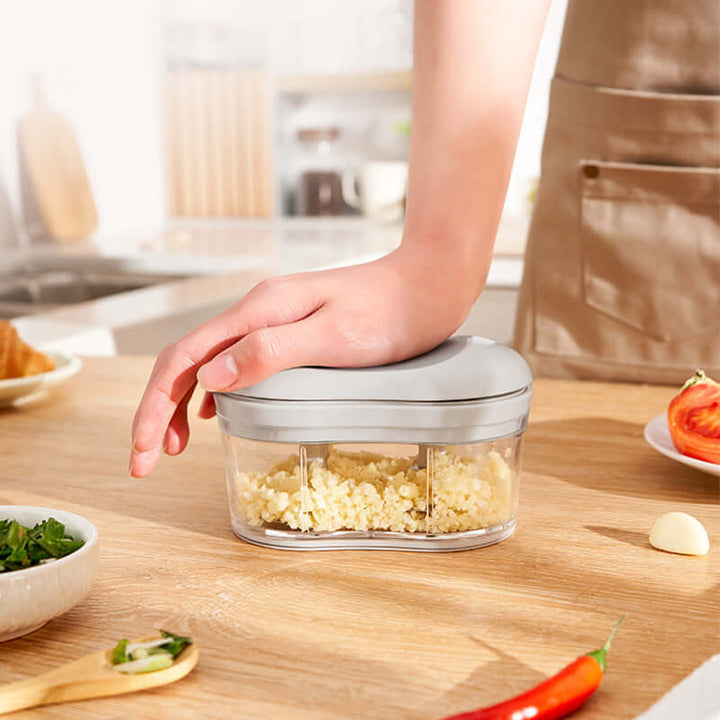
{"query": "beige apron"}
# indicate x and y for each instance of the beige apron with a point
(622, 275)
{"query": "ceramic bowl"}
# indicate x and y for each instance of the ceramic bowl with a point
(31, 597)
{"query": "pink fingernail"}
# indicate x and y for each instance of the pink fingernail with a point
(218, 374)
(144, 461)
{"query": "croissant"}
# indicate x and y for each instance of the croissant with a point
(18, 359)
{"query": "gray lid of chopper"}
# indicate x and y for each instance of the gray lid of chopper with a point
(468, 389)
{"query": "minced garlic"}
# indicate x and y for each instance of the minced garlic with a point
(366, 491)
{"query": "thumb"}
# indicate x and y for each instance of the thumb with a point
(266, 351)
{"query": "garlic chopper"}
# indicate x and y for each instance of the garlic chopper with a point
(422, 454)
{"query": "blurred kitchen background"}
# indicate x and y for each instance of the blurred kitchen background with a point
(159, 158)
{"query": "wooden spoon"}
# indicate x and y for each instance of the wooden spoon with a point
(89, 677)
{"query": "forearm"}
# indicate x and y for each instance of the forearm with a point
(473, 61)
(472, 69)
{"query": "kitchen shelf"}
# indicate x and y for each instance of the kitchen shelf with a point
(400, 80)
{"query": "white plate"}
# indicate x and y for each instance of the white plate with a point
(657, 434)
(16, 389)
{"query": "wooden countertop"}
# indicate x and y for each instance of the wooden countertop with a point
(371, 635)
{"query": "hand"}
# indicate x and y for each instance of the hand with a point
(399, 306)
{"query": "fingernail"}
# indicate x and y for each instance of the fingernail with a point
(218, 374)
(141, 463)
(168, 447)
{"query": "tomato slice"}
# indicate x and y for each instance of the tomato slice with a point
(694, 418)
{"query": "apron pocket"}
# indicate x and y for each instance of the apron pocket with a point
(650, 244)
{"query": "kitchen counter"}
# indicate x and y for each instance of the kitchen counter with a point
(371, 635)
(222, 260)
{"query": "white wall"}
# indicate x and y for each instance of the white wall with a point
(100, 63)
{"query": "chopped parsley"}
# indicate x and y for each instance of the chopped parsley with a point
(22, 547)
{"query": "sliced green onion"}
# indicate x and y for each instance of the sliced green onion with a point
(157, 642)
(120, 653)
(156, 654)
(158, 661)
(177, 642)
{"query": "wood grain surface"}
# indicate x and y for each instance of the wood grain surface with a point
(52, 159)
(372, 635)
(218, 143)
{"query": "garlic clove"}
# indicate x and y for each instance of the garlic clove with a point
(678, 532)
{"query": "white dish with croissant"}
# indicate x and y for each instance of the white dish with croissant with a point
(26, 372)
(22, 389)
(14, 389)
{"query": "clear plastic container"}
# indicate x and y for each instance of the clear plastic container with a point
(420, 455)
(373, 495)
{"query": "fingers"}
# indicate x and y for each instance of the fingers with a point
(207, 407)
(173, 375)
(264, 352)
(178, 432)
(141, 463)
(275, 301)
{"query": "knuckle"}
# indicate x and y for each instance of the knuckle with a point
(175, 357)
(362, 335)
(353, 329)
(164, 389)
(270, 285)
(172, 357)
(172, 362)
(264, 347)
(183, 358)
(163, 359)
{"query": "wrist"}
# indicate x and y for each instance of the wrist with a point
(444, 271)
(456, 266)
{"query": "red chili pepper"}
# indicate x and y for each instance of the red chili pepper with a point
(555, 697)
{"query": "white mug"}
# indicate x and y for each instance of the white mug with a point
(382, 190)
